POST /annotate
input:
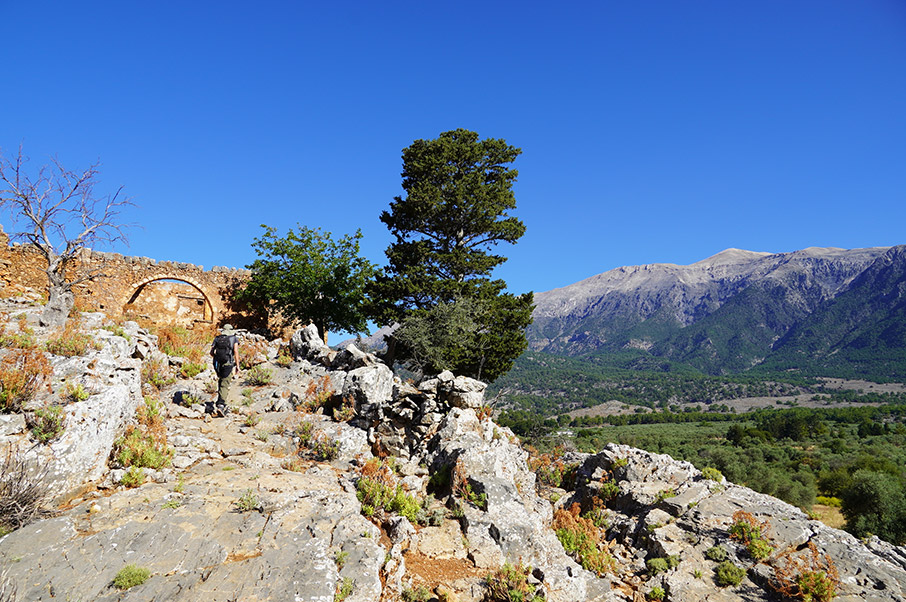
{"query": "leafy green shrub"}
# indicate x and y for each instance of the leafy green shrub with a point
(47, 423)
(510, 584)
(130, 576)
(664, 494)
(551, 470)
(662, 565)
(340, 558)
(716, 553)
(258, 376)
(712, 474)
(728, 573)
(252, 419)
(134, 477)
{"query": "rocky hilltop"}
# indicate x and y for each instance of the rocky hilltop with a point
(723, 314)
(334, 480)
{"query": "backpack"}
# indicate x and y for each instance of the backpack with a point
(223, 349)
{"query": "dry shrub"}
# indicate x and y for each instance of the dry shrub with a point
(551, 470)
(157, 373)
(22, 338)
(70, 341)
(346, 410)
(811, 577)
(23, 491)
(248, 351)
(22, 372)
(317, 393)
(144, 444)
(583, 539)
(194, 344)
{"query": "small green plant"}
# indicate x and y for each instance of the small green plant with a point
(263, 435)
(117, 330)
(284, 358)
(716, 553)
(621, 462)
(510, 583)
(712, 474)
(258, 376)
(47, 423)
(134, 477)
(697, 573)
(252, 419)
(172, 504)
(665, 494)
(180, 484)
(75, 392)
(325, 449)
(728, 574)
(655, 593)
(130, 576)
(247, 399)
(344, 589)
(346, 410)
(340, 558)
(247, 502)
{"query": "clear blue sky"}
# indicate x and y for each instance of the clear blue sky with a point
(651, 131)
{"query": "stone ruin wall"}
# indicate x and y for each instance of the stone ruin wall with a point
(134, 287)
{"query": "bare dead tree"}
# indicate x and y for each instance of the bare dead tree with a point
(60, 215)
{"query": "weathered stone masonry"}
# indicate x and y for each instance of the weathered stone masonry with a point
(162, 291)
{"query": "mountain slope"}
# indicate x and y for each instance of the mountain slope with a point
(724, 314)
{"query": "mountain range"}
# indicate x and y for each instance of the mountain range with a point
(820, 311)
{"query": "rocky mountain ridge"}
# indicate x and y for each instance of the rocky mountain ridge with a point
(722, 314)
(244, 511)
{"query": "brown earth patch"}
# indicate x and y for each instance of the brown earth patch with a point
(830, 516)
(432, 572)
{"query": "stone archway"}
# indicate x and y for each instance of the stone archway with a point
(170, 297)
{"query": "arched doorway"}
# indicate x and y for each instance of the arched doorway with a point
(169, 299)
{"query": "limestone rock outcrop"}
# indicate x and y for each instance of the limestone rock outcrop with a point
(264, 504)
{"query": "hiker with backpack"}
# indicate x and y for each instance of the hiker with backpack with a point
(225, 351)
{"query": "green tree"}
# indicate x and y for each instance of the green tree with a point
(307, 276)
(455, 211)
(875, 504)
